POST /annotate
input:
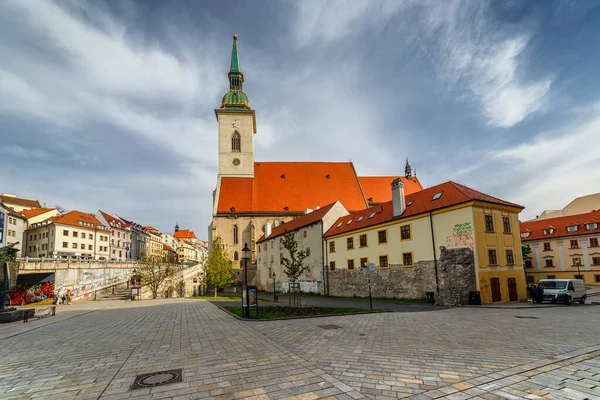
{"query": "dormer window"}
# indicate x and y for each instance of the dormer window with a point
(340, 224)
(572, 228)
(525, 235)
(548, 231)
(410, 203)
(437, 196)
(349, 222)
(372, 215)
(360, 218)
(591, 226)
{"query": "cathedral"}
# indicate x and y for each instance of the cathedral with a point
(250, 194)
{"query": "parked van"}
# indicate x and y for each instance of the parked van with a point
(563, 290)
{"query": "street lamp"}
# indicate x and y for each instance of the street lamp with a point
(274, 295)
(246, 257)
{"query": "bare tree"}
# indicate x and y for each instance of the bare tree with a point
(154, 272)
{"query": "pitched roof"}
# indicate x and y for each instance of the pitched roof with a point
(34, 212)
(377, 189)
(17, 200)
(416, 203)
(150, 228)
(167, 247)
(291, 187)
(77, 218)
(185, 234)
(11, 211)
(304, 220)
(114, 222)
(536, 228)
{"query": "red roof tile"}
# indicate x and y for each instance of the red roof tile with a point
(19, 201)
(76, 218)
(536, 227)
(377, 189)
(114, 221)
(291, 187)
(34, 212)
(416, 203)
(304, 220)
(185, 234)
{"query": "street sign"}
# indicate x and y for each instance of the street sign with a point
(127, 248)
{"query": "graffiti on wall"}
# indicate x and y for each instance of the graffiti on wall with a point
(462, 236)
(84, 281)
(485, 290)
(26, 294)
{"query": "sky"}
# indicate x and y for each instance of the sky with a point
(110, 105)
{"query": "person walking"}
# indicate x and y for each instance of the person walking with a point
(69, 297)
(56, 296)
(533, 294)
(540, 293)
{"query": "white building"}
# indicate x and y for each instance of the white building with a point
(308, 233)
(12, 226)
(120, 235)
(17, 203)
(170, 241)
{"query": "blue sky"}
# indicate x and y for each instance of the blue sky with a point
(110, 105)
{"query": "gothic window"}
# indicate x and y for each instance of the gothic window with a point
(235, 142)
(235, 234)
(235, 256)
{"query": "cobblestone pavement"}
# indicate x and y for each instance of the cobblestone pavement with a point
(455, 353)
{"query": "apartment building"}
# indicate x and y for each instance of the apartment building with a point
(120, 235)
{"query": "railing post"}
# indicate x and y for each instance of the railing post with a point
(95, 294)
(53, 311)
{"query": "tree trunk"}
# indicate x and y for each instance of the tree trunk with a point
(215, 292)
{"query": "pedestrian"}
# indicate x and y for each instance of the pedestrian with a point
(63, 296)
(540, 293)
(69, 297)
(56, 296)
(533, 294)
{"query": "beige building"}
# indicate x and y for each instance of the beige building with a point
(75, 234)
(250, 194)
(563, 247)
(187, 251)
(120, 235)
(170, 241)
(17, 203)
(155, 244)
(308, 233)
(580, 205)
(414, 239)
(169, 254)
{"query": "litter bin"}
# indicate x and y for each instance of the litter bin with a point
(475, 298)
(430, 297)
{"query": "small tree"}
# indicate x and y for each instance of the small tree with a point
(154, 272)
(219, 269)
(526, 250)
(293, 266)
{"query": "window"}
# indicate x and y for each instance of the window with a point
(383, 262)
(340, 224)
(574, 244)
(82, 246)
(510, 259)
(593, 242)
(530, 279)
(492, 257)
(572, 228)
(349, 221)
(405, 232)
(350, 264)
(372, 214)
(548, 232)
(236, 256)
(90, 236)
(236, 142)
(437, 196)
(332, 265)
(489, 223)
(89, 247)
(363, 262)
(528, 264)
(363, 240)
(332, 247)
(407, 259)
(550, 276)
(65, 245)
(382, 236)
(308, 251)
(350, 243)
(74, 245)
(547, 246)
(549, 262)
(525, 235)
(506, 223)
(235, 235)
(595, 260)
(75, 233)
(597, 278)
(410, 203)
(576, 261)
(592, 226)
(360, 218)
(304, 233)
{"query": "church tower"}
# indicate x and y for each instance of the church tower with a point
(237, 125)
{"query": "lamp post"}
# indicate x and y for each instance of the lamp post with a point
(246, 257)
(274, 295)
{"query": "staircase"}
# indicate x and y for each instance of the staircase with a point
(117, 292)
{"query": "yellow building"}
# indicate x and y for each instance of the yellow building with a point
(447, 239)
(155, 245)
(563, 247)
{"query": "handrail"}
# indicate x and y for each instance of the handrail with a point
(74, 260)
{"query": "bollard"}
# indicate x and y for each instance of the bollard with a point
(113, 292)
(53, 311)
(26, 316)
(95, 294)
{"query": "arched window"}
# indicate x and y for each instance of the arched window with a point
(235, 234)
(236, 142)
(235, 256)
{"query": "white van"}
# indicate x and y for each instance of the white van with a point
(563, 290)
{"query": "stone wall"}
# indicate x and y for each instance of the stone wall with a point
(456, 275)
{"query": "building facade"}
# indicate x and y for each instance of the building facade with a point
(308, 232)
(17, 203)
(249, 194)
(170, 240)
(447, 239)
(120, 235)
(12, 227)
(138, 248)
(563, 247)
(155, 244)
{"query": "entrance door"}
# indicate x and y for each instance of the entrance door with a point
(496, 295)
(512, 290)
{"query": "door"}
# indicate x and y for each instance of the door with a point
(512, 290)
(496, 295)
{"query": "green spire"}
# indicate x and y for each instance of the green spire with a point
(235, 98)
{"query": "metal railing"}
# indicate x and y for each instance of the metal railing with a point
(73, 260)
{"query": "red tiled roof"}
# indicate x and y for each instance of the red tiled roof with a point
(34, 212)
(167, 247)
(304, 220)
(422, 202)
(185, 234)
(20, 201)
(536, 227)
(150, 228)
(114, 220)
(377, 189)
(291, 187)
(74, 218)
(11, 211)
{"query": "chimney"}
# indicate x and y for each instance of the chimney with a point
(398, 197)
(267, 230)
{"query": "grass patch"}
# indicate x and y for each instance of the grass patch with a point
(277, 312)
(386, 299)
(212, 297)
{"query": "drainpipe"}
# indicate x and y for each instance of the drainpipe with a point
(326, 266)
(323, 259)
(437, 282)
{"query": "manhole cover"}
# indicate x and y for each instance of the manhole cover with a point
(329, 326)
(525, 317)
(157, 379)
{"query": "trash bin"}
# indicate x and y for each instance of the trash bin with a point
(430, 297)
(475, 298)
